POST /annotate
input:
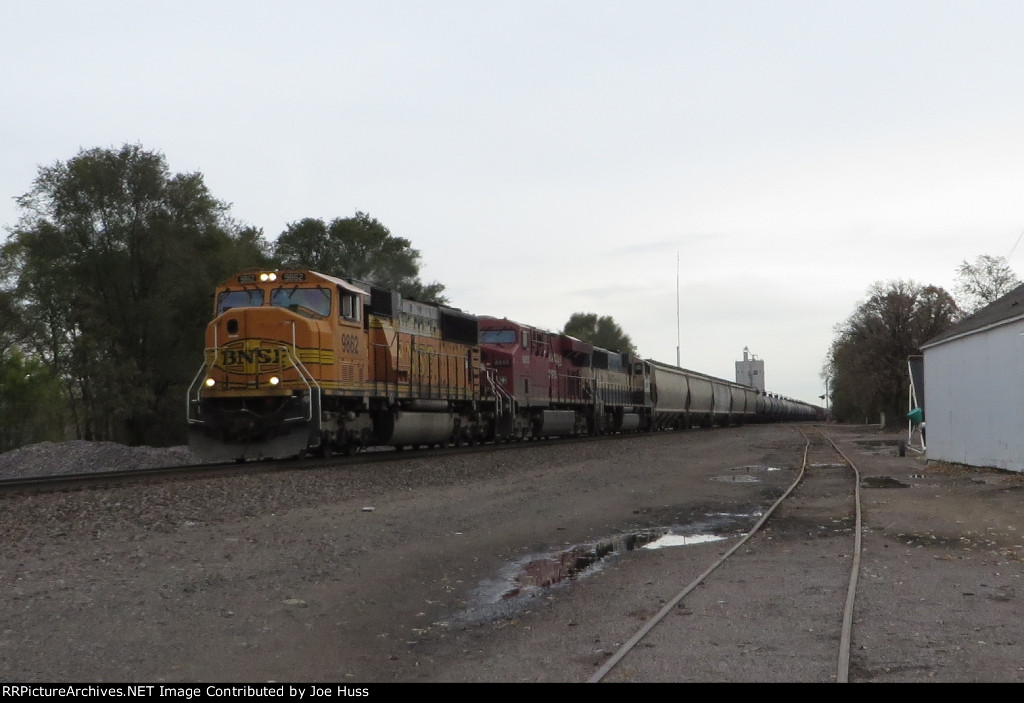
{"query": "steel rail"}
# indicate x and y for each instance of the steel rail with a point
(72, 481)
(628, 646)
(843, 668)
(842, 675)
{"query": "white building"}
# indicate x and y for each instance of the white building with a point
(750, 371)
(974, 376)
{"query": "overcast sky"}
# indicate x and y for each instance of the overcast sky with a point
(548, 157)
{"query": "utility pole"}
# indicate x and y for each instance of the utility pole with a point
(677, 311)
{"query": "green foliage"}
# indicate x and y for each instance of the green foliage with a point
(357, 247)
(980, 283)
(109, 272)
(868, 359)
(30, 402)
(8, 319)
(601, 331)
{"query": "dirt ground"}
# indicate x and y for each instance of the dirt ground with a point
(414, 571)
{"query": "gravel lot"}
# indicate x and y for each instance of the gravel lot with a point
(79, 456)
(398, 571)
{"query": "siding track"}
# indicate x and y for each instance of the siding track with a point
(822, 510)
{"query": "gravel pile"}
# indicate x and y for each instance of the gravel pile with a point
(80, 456)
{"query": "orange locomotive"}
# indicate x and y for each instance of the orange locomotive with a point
(298, 361)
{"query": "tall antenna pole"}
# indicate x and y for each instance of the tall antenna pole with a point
(677, 310)
(1014, 247)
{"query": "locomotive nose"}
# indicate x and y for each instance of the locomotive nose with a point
(241, 323)
(228, 326)
(264, 322)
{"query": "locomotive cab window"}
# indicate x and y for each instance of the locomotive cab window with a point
(497, 336)
(251, 298)
(311, 302)
(350, 306)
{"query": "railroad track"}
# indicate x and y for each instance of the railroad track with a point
(104, 479)
(816, 524)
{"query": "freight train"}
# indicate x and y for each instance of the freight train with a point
(299, 362)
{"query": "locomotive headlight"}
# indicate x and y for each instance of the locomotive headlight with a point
(210, 383)
(274, 380)
(268, 276)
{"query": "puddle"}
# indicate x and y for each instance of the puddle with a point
(828, 466)
(671, 540)
(536, 573)
(755, 514)
(882, 482)
(745, 474)
(528, 582)
(548, 571)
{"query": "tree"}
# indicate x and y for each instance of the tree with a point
(601, 331)
(8, 318)
(980, 283)
(30, 401)
(868, 358)
(357, 247)
(109, 271)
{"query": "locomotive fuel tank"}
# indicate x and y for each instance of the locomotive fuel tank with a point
(401, 428)
(555, 423)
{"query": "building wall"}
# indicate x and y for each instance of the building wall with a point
(974, 399)
(751, 373)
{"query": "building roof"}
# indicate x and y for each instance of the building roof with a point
(1009, 308)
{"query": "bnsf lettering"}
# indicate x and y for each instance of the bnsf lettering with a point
(252, 356)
